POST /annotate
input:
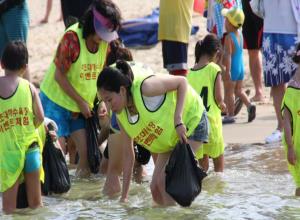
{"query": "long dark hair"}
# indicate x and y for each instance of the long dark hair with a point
(208, 46)
(112, 78)
(107, 8)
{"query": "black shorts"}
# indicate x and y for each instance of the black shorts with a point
(252, 28)
(74, 9)
(174, 55)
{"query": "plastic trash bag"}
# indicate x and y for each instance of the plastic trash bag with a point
(22, 201)
(93, 152)
(57, 179)
(183, 175)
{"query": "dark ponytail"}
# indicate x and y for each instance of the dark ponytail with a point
(296, 57)
(112, 78)
(117, 52)
(208, 46)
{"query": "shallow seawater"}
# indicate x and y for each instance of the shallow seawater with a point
(255, 185)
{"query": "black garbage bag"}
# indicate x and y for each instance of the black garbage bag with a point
(183, 175)
(93, 152)
(22, 201)
(57, 179)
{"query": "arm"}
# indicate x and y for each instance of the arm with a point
(128, 161)
(227, 57)
(288, 136)
(66, 86)
(218, 93)
(161, 84)
(37, 107)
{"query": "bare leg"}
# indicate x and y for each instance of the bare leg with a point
(157, 186)
(255, 64)
(278, 93)
(241, 94)
(79, 138)
(9, 200)
(104, 165)
(204, 162)
(72, 150)
(33, 189)
(48, 10)
(62, 143)
(219, 163)
(112, 183)
(229, 96)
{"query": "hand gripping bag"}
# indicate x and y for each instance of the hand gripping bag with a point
(183, 175)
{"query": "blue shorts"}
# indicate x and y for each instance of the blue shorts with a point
(62, 117)
(32, 158)
(201, 132)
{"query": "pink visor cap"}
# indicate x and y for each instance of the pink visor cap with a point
(103, 27)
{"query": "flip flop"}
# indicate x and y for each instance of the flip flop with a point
(238, 103)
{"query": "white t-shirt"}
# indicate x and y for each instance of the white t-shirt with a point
(279, 17)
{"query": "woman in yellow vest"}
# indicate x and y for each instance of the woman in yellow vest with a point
(20, 114)
(69, 87)
(155, 111)
(291, 119)
(205, 78)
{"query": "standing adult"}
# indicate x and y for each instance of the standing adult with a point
(279, 38)
(252, 33)
(14, 23)
(69, 87)
(175, 21)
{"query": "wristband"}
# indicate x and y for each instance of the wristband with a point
(179, 124)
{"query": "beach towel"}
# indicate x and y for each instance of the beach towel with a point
(143, 32)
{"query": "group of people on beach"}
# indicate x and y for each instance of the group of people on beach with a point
(141, 113)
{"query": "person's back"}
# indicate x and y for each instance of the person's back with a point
(205, 78)
(20, 114)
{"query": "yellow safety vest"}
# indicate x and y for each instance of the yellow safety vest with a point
(82, 75)
(155, 130)
(203, 81)
(17, 133)
(292, 104)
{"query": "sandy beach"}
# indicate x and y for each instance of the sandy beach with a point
(43, 40)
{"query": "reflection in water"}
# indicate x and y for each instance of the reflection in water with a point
(255, 185)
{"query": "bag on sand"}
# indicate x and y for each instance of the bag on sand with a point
(93, 151)
(57, 179)
(183, 175)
